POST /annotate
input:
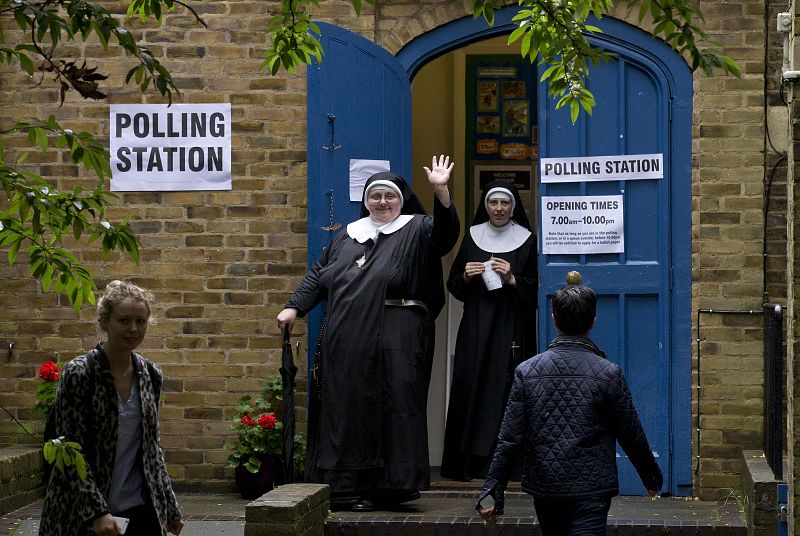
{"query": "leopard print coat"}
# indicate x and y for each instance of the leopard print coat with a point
(86, 412)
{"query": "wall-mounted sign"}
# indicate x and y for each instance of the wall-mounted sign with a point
(497, 72)
(518, 174)
(582, 224)
(156, 147)
(487, 146)
(515, 151)
(602, 168)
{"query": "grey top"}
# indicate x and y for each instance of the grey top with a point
(128, 480)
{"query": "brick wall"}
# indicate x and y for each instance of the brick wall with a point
(728, 171)
(21, 475)
(222, 263)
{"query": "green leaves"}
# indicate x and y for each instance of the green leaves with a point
(37, 219)
(554, 32)
(49, 23)
(294, 40)
(253, 441)
(293, 37)
(64, 454)
(674, 21)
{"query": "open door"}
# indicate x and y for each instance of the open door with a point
(359, 107)
(637, 298)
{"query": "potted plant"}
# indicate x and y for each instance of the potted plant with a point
(256, 455)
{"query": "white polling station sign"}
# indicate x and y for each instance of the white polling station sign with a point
(602, 168)
(582, 224)
(156, 147)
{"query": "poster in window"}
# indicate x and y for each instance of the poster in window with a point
(488, 124)
(513, 89)
(487, 96)
(516, 119)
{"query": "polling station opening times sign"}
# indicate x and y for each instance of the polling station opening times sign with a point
(178, 147)
(582, 224)
(574, 225)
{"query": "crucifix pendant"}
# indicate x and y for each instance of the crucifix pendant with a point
(360, 262)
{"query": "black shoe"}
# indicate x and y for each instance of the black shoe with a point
(364, 504)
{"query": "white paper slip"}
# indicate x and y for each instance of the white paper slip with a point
(491, 278)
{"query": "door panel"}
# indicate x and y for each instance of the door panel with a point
(633, 317)
(643, 106)
(368, 94)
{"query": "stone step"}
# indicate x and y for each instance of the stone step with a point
(450, 513)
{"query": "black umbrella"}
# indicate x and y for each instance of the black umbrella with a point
(288, 372)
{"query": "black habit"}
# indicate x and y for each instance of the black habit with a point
(367, 414)
(497, 332)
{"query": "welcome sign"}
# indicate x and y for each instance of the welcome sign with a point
(159, 147)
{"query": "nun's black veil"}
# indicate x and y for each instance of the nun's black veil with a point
(411, 204)
(518, 215)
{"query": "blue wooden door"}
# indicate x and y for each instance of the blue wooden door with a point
(644, 107)
(636, 305)
(359, 107)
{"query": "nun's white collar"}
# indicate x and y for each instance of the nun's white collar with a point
(499, 239)
(366, 229)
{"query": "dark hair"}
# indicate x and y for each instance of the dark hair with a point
(574, 309)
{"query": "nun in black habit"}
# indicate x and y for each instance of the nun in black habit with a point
(497, 331)
(382, 280)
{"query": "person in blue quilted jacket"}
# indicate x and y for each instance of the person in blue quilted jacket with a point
(567, 409)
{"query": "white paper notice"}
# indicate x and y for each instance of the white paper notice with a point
(360, 171)
(624, 167)
(160, 148)
(582, 224)
(490, 277)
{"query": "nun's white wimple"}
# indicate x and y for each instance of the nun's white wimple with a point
(383, 184)
(498, 192)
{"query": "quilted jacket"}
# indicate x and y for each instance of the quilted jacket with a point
(567, 409)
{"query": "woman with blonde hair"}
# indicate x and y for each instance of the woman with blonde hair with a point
(107, 402)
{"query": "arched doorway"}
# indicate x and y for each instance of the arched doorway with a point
(644, 107)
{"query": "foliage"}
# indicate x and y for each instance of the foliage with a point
(37, 218)
(258, 431)
(57, 451)
(552, 31)
(50, 374)
(64, 454)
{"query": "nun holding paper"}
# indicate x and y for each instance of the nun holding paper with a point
(495, 275)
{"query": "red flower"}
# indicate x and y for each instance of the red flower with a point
(49, 371)
(267, 421)
(247, 420)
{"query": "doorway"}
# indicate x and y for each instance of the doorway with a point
(644, 106)
(444, 103)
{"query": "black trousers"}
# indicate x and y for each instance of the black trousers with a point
(572, 517)
(143, 521)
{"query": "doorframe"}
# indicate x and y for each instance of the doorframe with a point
(678, 77)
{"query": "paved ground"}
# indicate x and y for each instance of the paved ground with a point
(223, 514)
(206, 514)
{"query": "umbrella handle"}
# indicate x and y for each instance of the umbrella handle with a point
(286, 334)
